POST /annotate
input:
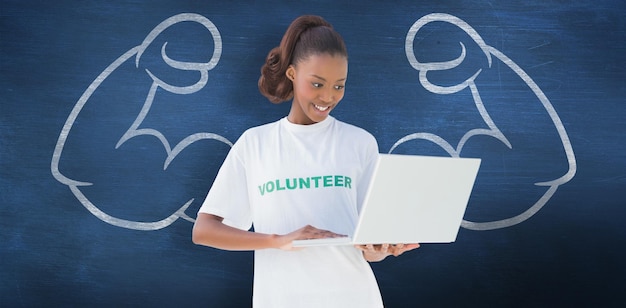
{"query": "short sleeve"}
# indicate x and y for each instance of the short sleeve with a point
(228, 196)
(369, 165)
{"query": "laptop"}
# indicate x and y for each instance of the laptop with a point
(411, 199)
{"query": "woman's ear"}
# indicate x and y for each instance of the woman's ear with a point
(291, 73)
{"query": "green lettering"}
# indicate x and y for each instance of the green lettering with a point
(328, 180)
(339, 180)
(316, 179)
(305, 183)
(278, 187)
(295, 184)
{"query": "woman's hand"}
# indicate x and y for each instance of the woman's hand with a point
(209, 230)
(305, 233)
(376, 253)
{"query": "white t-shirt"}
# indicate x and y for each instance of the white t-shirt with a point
(280, 177)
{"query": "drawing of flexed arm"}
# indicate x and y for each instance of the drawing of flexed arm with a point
(489, 128)
(136, 129)
(202, 68)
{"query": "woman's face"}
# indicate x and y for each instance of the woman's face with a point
(318, 86)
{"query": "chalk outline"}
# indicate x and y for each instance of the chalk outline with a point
(203, 68)
(493, 130)
(134, 129)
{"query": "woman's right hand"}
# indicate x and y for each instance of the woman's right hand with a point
(307, 232)
(209, 230)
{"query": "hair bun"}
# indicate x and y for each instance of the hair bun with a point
(273, 83)
(306, 35)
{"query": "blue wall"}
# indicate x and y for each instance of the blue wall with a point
(114, 119)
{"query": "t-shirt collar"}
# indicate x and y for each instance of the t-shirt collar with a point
(307, 128)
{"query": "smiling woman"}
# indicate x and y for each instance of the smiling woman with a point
(307, 36)
(318, 87)
(310, 66)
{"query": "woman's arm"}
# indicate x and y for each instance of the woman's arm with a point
(209, 230)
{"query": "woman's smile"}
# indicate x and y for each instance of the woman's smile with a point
(321, 108)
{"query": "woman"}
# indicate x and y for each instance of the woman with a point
(302, 177)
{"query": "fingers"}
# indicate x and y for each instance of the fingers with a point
(399, 249)
(372, 248)
(388, 249)
(376, 248)
(305, 233)
(310, 232)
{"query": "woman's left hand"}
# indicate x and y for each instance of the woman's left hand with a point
(375, 253)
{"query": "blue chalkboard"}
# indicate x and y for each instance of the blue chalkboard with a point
(115, 117)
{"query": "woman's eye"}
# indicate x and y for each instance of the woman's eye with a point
(317, 85)
(339, 87)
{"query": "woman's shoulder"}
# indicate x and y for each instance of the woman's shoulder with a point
(260, 129)
(353, 130)
(254, 136)
(357, 137)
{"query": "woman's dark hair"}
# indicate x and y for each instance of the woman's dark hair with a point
(307, 35)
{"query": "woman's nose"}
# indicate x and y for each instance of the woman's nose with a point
(326, 96)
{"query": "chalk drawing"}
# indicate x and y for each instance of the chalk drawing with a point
(492, 130)
(135, 130)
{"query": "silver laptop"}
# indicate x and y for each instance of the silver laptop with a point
(411, 199)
